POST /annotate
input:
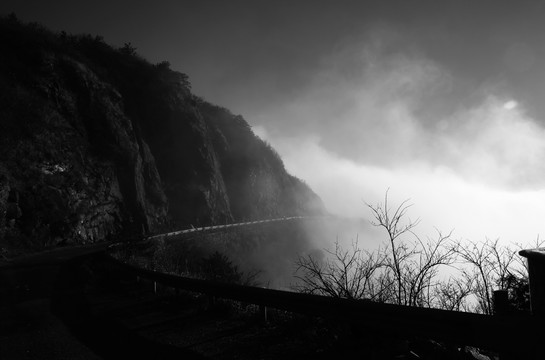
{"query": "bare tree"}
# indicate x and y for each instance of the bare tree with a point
(453, 294)
(343, 273)
(489, 266)
(408, 270)
(391, 222)
(403, 272)
(415, 264)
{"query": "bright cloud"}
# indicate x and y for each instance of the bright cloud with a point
(442, 198)
(479, 169)
(510, 105)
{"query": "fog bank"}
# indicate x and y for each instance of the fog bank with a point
(373, 120)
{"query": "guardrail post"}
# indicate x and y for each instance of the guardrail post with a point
(536, 277)
(501, 302)
(155, 287)
(263, 313)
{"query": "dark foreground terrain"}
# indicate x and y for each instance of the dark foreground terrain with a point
(75, 304)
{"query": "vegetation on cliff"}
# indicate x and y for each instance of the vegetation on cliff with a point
(96, 142)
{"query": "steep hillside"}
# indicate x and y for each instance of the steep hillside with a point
(254, 174)
(96, 142)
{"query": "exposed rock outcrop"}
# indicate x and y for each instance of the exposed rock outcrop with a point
(96, 142)
(256, 181)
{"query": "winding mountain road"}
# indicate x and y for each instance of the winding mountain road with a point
(226, 226)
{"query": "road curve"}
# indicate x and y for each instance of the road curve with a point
(215, 227)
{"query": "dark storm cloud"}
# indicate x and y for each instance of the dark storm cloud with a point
(248, 55)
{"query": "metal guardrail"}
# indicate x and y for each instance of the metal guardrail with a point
(514, 336)
(226, 226)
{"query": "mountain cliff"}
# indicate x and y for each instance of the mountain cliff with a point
(98, 143)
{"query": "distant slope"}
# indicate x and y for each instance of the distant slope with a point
(96, 142)
(256, 181)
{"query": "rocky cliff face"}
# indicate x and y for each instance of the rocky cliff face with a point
(96, 143)
(253, 172)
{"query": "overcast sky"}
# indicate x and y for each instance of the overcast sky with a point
(440, 101)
